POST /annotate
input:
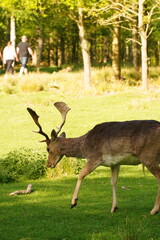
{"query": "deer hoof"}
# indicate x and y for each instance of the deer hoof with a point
(74, 204)
(114, 209)
(153, 212)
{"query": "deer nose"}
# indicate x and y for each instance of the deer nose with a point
(50, 165)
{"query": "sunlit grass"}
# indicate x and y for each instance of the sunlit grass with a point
(87, 111)
(72, 83)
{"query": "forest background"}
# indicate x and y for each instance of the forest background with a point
(86, 33)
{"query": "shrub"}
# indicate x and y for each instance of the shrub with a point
(67, 166)
(32, 83)
(22, 163)
(9, 85)
(27, 163)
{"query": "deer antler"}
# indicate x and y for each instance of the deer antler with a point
(63, 109)
(35, 118)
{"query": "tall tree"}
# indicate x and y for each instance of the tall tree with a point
(77, 11)
(9, 10)
(135, 34)
(12, 30)
(108, 15)
(147, 13)
(144, 36)
(116, 65)
(85, 49)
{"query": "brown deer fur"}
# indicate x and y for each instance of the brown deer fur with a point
(111, 144)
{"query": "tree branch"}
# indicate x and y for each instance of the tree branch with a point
(27, 191)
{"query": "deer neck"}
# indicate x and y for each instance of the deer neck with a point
(72, 147)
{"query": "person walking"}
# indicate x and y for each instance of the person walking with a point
(23, 50)
(9, 56)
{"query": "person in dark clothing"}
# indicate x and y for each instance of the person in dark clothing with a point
(23, 50)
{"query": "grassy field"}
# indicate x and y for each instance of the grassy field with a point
(45, 214)
(16, 124)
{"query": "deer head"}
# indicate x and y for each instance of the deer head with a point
(54, 155)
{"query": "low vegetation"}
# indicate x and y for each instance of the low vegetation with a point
(22, 164)
(25, 163)
(60, 82)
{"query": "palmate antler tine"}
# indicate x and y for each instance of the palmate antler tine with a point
(35, 118)
(63, 109)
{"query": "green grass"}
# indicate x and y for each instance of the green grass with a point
(16, 124)
(45, 214)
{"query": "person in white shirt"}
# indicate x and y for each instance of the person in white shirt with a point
(9, 56)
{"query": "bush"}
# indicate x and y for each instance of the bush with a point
(9, 85)
(67, 166)
(27, 163)
(32, 83)
(23, 163)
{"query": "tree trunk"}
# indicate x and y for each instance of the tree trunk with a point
(62, 47)
(135, 45)
(34, 57)
(39, 51)
(59, 57)
(116, 52)
(27, 191)
(85, 50)
(135, 52)
(157, 51)
(12, 30)
(51, 51)
(144, 62)
(93, 50)
(74, 51)
(61, 52)
(143, 35)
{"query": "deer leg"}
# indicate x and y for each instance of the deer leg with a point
(114, 178)
(155, 170)
(157, 202)
(85, 171)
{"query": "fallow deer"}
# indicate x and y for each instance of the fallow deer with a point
(109, 144)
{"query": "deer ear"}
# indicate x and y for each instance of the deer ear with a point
(62, 135)
(53, 135)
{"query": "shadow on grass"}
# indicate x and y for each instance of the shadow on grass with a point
(46, 215)
(34, 69)
(44, 69)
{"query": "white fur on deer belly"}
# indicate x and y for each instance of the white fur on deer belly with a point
(127, 159)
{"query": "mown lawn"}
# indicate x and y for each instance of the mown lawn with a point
(16, 125)
(45, 214)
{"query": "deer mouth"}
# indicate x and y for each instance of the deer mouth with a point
(51, 165)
